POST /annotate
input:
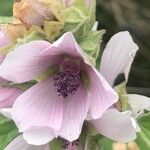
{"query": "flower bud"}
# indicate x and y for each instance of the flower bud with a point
(35, 12)
(14, 30)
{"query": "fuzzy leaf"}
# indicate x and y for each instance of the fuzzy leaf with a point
(91, 43)
(79, 18)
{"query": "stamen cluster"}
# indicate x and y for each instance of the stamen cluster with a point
(66, 82)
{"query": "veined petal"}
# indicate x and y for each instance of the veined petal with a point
(8, 96)
(118, 56)
(39, 135)
(102, 96)
(75, 111)
(38, 106)
(118, 126)
(20, 144)
(25, 63)
(66, 44)
(138, 103)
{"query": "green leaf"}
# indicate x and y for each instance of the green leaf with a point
(79, 18)
(8, 131)
(106, 144)
(74, 20)
(55, 145)
(91, 44)
(143, 137)
(73, 15)
(98, 142)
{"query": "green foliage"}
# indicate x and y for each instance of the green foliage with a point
(55, 145)
(143, 138)
(8, 131)
(98, 142)
(91, 45)
(6, 7)
(79, 18)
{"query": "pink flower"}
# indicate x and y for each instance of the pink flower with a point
(7, 94)
(19, 143)
(117, 58)
(59, 104)
(4, 41)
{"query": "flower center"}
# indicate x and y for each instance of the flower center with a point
(66, 82)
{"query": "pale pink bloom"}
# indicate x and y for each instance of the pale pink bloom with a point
(117, 58)
(138, 103)
(20, 144)
(7, 95)
(59, 104)
(4, 41)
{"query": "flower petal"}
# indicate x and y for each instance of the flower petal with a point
(38, 106)
(8, 96)
(20, 144)
(39, 135)
(75, 111)
(25, 63)
(102, 96)
(2, 57)
(138, 103)
(4, 41)
(118, 56)
(118, 126)
(66, 44)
